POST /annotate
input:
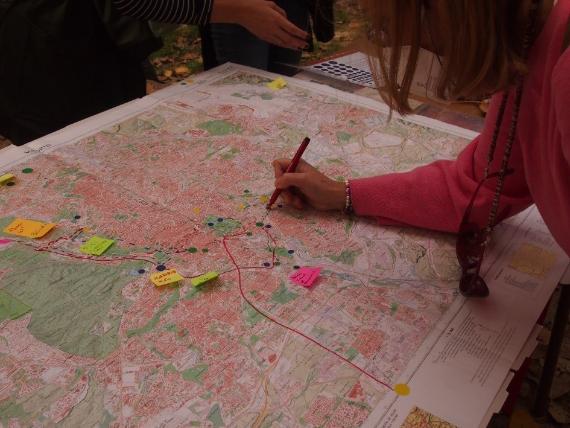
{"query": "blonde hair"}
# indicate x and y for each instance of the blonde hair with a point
(482, 51)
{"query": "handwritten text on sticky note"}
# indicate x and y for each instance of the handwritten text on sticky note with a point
(202, 279)
(277, 84)
(28, 228)
(96, 246)
(305, 276)
(165, 277)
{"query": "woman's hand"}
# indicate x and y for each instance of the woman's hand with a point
(308, 186)
(263, 18)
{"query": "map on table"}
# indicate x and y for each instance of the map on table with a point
(88, 340)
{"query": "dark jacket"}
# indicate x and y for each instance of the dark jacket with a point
(64, 60)
(322, 18)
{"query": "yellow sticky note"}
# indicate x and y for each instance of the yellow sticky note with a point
(202, 279)
(264, 199)
(96, 246)
(277, 84)
(197, 210)
(6, 177)
(28, 228)
(165, 277)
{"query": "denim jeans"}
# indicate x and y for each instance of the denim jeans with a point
(233, 43)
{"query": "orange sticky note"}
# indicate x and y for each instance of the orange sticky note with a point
(165, 277)
(305, 276)
(28, 228)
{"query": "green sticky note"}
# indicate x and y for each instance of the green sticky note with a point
(96, 246)
(11, 308)
(202, 279)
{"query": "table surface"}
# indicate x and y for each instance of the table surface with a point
(179, 180)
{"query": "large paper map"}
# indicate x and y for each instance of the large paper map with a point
(88, 340)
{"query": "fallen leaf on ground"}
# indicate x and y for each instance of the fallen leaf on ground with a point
(181, 70)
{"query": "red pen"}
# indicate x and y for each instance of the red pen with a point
(291, 168)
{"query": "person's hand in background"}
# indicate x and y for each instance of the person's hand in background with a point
(262, 18)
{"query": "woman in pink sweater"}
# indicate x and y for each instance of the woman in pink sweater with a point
(482, 45)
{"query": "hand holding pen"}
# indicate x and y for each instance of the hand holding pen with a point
(304, 185)
(290, 168)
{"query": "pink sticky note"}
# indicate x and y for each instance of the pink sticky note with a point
(305, 276)
(5, 241)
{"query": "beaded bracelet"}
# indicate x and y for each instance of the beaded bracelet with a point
(348, 201)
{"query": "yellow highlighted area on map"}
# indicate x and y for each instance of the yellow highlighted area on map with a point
(28, 228)
(202, 279)
(533, 260)
(166, 277)
(402, 389)
(420, 418)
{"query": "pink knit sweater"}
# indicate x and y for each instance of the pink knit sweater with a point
(435, 196)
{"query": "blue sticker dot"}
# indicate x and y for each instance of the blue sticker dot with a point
(220, 219)
(210, 224)
(160, 268)
(77, 217)
(268, 226)
(291, 251)
(141, 271)
(266, 264)
(296, 267)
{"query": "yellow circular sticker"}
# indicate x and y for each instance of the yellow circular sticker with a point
(402, 389)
